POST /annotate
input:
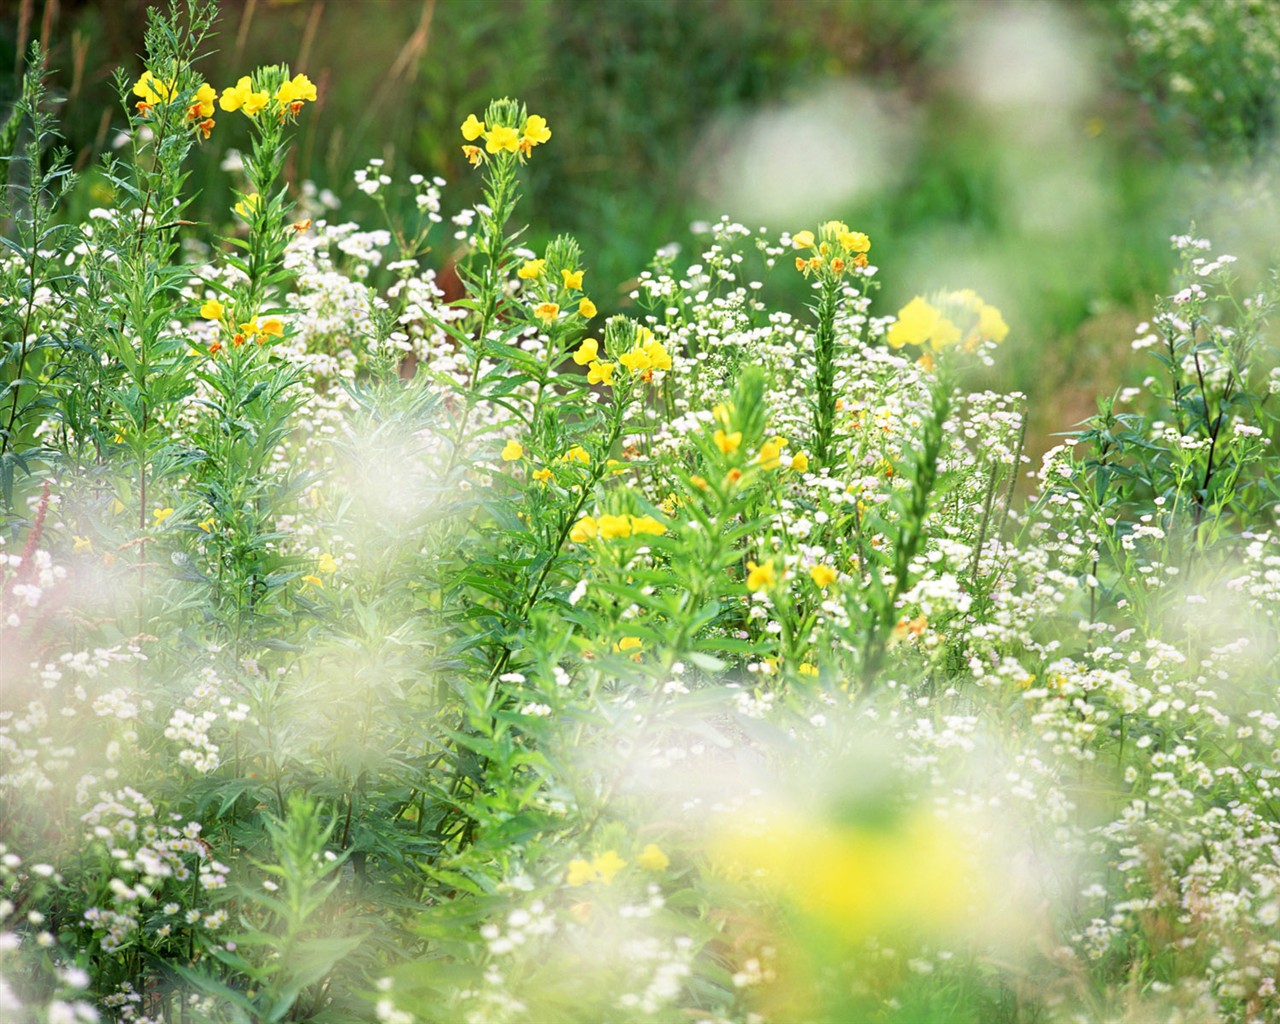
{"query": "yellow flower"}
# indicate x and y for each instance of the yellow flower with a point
(916, 321)
(327, 563)
(628, 643)
(944, 333)
(612, 527)
(241, 96)
(248, 206)
(546, 311)
(531, 270)
(802, 239)
(315, 581)
(117, 506)
(499, 138)
(770, 453)
(808, 670)
(82, 544)
(295, 91)
(600, 373)
(800, 462)
(636, 361)
(586, 309)
(576, 454)
(587, 352)
(542, 475)
(206, 524)
(572, 278)
(823, 575)
(472, 128)
(609, 863)
(212, 310)
(760, 576)
(647, 524)
(536, 131)
(272, 326)
(205, 98)
(991, 324)
(474, 155)
(727, 442)
(653, 859)
(659, 357)
(512, 450)
(584, 529)
(161, 514)
(580, 873)
(854, 241)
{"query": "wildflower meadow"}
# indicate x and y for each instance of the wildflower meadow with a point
(400, 639)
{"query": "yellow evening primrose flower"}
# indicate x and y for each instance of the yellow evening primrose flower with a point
(944, 333)
(759, 577)
(501, 138)
(854, 241)
(636, 361)
(242, 97)
(315, 581)
(808, 670)
(295, 91)
(586, 309)
(206, 524)
(802, 239)
(531, 270)
(800, 462)
(609, 863)
(327, 563)
(576, 454)
(206, 97)
(647, 524)
(587, 352)
(628, 643)
(659, 357)
(536, 131)
(273, 326)
(546, 311)
(600, 373)
(580, 873)
(152, 90)
(212, 310)
(512, 451)
(472, 128)
(584, 529)
(916, 321)
(991, 324)
(771, 452)
(823, 575)
(82, 544)
(161, 514)
(613, 527)
(542, 475)
(652, 858)
(727, 442)
(474, 155)
(572, 278)
(248, 206)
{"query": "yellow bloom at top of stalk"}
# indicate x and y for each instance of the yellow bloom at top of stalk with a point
(501, 138)
(512, 451)
(535, 132)
(295, 91)
(837, 249)
(572, 278)
(243, 97)
(501, 135)
(472, 128)
(532, 270)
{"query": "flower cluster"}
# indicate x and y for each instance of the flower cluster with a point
(835, 250)
(515, 139)
(959, 318)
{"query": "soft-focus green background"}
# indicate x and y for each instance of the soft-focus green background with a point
(1040, 152)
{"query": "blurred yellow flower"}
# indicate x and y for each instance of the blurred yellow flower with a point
(727, 442)
(472, 128)
(542, 475)
(770, 456)
(576, 454)
(800, 462)
(206, 524)
(627, 643)
(823, 575)
(512, 451)
(584, 529)
(991, 324)
(802, 239)
(609, 863)
(580, 873)
(659, 357)
(248, 206)
(531, 270)
(854, 241)
(212, 310)
(586, 309)
(612, 527)
(760, 577)
(587, 352)
(327, 563)
(572, 278)
(652, 858)
(916, 321)
(272, 326)
(546, 311)
(82, 544)
(647, 524)
(315, 581)
(161, 514)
